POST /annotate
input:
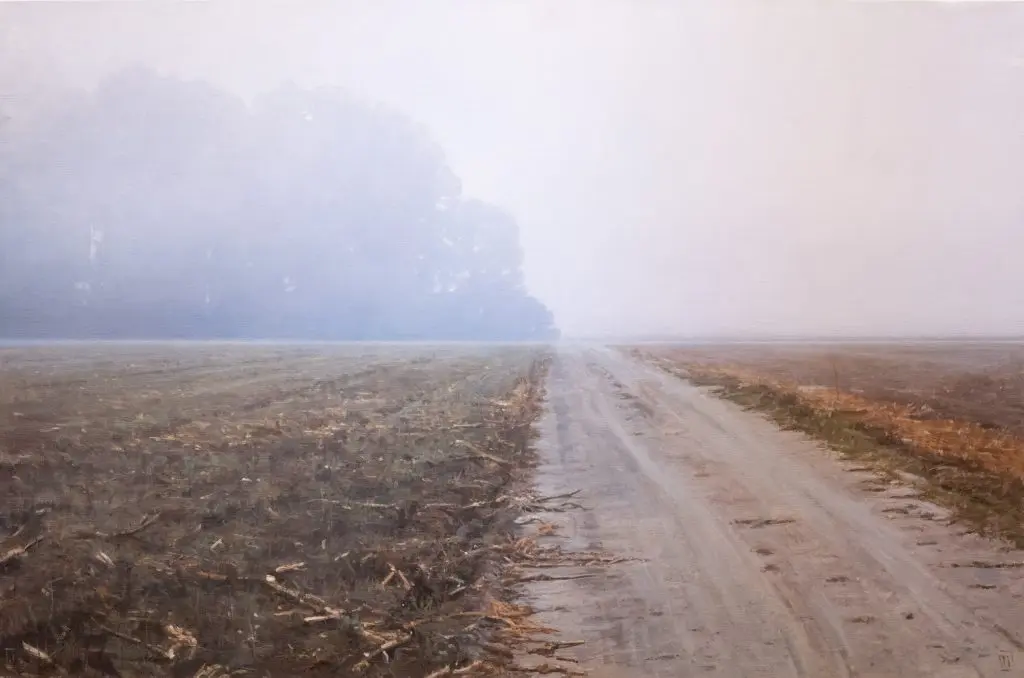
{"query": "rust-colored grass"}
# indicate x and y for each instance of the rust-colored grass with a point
(946, 415)
(996, 450)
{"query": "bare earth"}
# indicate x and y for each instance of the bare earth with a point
(759, 553)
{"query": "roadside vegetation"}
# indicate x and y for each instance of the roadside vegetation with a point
(950, 416)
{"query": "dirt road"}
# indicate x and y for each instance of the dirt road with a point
(758, 552)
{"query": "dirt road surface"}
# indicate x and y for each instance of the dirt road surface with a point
(758, 552)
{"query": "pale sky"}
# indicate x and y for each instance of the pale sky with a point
(685, 166)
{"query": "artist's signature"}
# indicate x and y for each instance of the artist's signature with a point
(1008, 663)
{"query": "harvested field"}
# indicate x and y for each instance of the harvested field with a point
(216, 509)
(951, 414)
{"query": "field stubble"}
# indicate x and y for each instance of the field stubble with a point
(223, 510)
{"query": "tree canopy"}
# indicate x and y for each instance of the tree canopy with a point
(158, 208)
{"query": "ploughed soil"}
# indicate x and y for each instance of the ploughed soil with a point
(219, 509)
(951, 414)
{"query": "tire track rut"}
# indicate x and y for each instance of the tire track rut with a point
(762, 555)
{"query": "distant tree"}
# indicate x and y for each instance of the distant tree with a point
(155, 207)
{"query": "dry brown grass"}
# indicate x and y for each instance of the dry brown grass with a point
(898, 410)
(994, 449)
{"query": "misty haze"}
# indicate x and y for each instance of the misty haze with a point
(153, 207)
(437, 338)
(724, 168)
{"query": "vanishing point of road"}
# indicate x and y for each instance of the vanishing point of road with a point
(755, 551)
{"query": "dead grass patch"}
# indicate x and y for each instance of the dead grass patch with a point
(976, 469)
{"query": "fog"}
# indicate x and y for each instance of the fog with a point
(687, 168)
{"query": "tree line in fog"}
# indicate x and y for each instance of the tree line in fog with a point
(153, 207)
